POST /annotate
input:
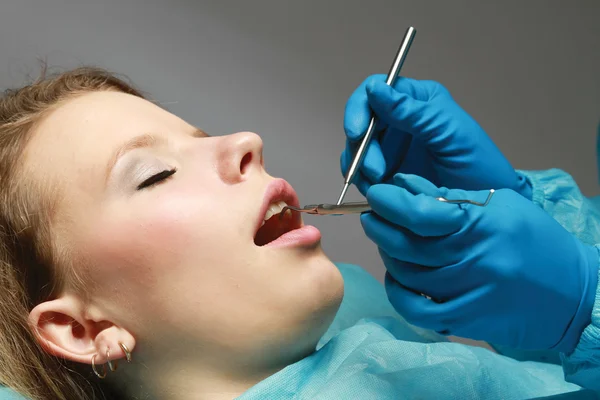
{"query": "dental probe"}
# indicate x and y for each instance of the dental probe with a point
(362, 206)
(391, 78)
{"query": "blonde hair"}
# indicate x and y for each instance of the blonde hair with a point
(29, 263)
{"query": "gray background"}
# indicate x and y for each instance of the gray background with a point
(528, 71)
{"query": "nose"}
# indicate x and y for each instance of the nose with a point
(238, 155)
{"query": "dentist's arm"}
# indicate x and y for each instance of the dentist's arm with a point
(557, 193)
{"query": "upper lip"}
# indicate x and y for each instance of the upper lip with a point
(278, 190)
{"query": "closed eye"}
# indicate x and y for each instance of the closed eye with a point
(154, 179)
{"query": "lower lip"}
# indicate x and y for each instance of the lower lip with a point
(305, 236)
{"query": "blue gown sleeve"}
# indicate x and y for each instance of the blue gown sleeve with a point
(557, 193)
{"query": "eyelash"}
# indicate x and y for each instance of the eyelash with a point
(154, 179)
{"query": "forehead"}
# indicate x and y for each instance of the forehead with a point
(83, 133)
(97, 118)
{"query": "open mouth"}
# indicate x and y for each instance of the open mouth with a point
(273, 227)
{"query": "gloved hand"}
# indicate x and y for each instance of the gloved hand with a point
(506, 273)
(422, 131)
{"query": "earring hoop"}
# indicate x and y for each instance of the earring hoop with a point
(95, 370)
(110, 363)
(126, 351)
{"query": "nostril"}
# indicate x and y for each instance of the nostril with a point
(246, 160)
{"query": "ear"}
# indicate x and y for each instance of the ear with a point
(62, 329)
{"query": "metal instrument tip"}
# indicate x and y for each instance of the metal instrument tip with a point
(343, 194)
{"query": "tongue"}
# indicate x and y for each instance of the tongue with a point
(271, 230)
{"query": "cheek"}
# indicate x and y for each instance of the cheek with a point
(159, 240)
(182, 225)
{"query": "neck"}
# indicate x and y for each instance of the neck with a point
(183, 380)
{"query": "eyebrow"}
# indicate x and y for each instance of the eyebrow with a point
(138, 142)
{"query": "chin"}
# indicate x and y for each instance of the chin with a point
(329, 282)
(319, 259)
(321, 304)
(316, 294)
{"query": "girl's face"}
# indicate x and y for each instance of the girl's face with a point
(162, 220)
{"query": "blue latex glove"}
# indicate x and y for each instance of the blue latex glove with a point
(507, 273)
(422, 131)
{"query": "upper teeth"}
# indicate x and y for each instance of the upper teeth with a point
(274, 208)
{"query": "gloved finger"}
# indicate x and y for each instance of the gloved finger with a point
(360, 181)
(415, 185)
(442, 284)
(418, 118)
(346, 158)
(395, 108)
(401, 243)
(421, 213)
(421, 90)
(357, 113)
(417, 88)
(373, 165)
(458, 314)
(394, 146)
(372, 169)
(418, 160)
(415, 308)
